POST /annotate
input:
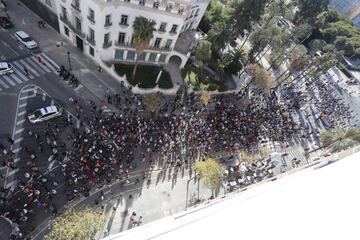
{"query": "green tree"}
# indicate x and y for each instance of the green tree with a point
(280, 8)
(234, 61)
(211, 172)
(339, 139)
(203, 52)
(245, 14)
(75, 225)
(143, 32)
(219, 36)
(153, 102)
(308, 10)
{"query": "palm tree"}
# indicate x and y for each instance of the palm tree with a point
(339, 139)
(143, 32)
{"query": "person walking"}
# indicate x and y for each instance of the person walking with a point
(26, 71)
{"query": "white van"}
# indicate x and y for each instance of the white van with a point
(5, 68)
(25, 39)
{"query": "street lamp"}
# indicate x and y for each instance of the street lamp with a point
(68, 54)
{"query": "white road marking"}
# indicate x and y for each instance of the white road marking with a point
(49, 59)
(17, 159)
(52, 102)
(17, 150)
(78, 87)
(43, 96)
(20, 69)
(18, 140)
(3, 84)
(16, 78)
(9, 80)
(29, 68)
(41, 65)
(27, 96)
(19, 130)
(23, 105)
(28, 90)
(20, 122)
(9, 47)
(35, 65)
(13, 172)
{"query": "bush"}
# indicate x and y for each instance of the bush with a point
(222, 88)
(165, 80)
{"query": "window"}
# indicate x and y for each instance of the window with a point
(63, 12)
(197, 12)
(156, 4)
(152, 57)
(76, 3)
(119, 54)
(48, 2)
(168, 7)
(142, 2)
(107, 20)
(162, 58)
(162, 27)
(91, 34)
(66, 31)
(157, 42)
(107, 38)
(124, 20)
(91, 51)
(78, 24)
(168, 43)
(127, 1)
(130, 55)
(174, 28)
(121, 37)
(91, 15)
(142, 56)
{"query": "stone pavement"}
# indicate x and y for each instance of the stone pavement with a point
(164, 196)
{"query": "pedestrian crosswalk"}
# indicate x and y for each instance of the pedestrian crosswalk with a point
(26, 69)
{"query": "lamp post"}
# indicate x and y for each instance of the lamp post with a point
(68, 54)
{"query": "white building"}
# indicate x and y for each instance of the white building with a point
(102, 29)
(51, 4)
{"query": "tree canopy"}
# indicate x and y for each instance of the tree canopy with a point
(260, 77)
(211, 172)
(308, 10)
(203, 51)
(75, 225)
(338, 139)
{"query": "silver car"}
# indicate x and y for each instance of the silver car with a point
(45, 113)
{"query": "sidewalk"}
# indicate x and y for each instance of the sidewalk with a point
(56, 46)
(165, 196)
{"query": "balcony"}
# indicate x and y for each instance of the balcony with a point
(108, 24)
(90, 40)
(91, 19)
(65, 19)
(124, 44)
(164, 48)
(76, 7)
(107, 44)
(78, 32)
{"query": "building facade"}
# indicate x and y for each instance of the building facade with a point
(102, 29)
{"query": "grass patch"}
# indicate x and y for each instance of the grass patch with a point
(145, 75)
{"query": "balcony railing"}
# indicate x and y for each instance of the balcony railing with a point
(163, 48)
(124, 44)
(78, 31)
(107, 44)
(91, 19)
(75, 7)
(65, 19)
(90, 40)
(108, 24)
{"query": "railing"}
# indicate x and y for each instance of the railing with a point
(75, 7)
(124, 44)
(65, 19)
(107, 44)
(108, 24)
(78, 31)
(164, 48)
(90, 40)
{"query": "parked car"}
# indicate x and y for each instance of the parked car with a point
(45, 113)
(25, 39)
(5, 22)
(5, 68)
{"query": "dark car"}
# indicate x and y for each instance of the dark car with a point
(5, 22)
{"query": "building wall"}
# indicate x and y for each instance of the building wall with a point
(343, 6)
(188, 19)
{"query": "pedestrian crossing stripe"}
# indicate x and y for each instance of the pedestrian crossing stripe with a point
(50, 61)
(9, 80)
(30, 69)
(3, 84)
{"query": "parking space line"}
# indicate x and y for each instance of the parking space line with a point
(23, 105)
(19, 130)
(20, 122)
(18, 140)
(27, 96)
(17, 150)
(13, 172)
(28, 90)
(21, 113)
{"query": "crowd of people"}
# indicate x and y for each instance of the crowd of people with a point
(105, 145)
